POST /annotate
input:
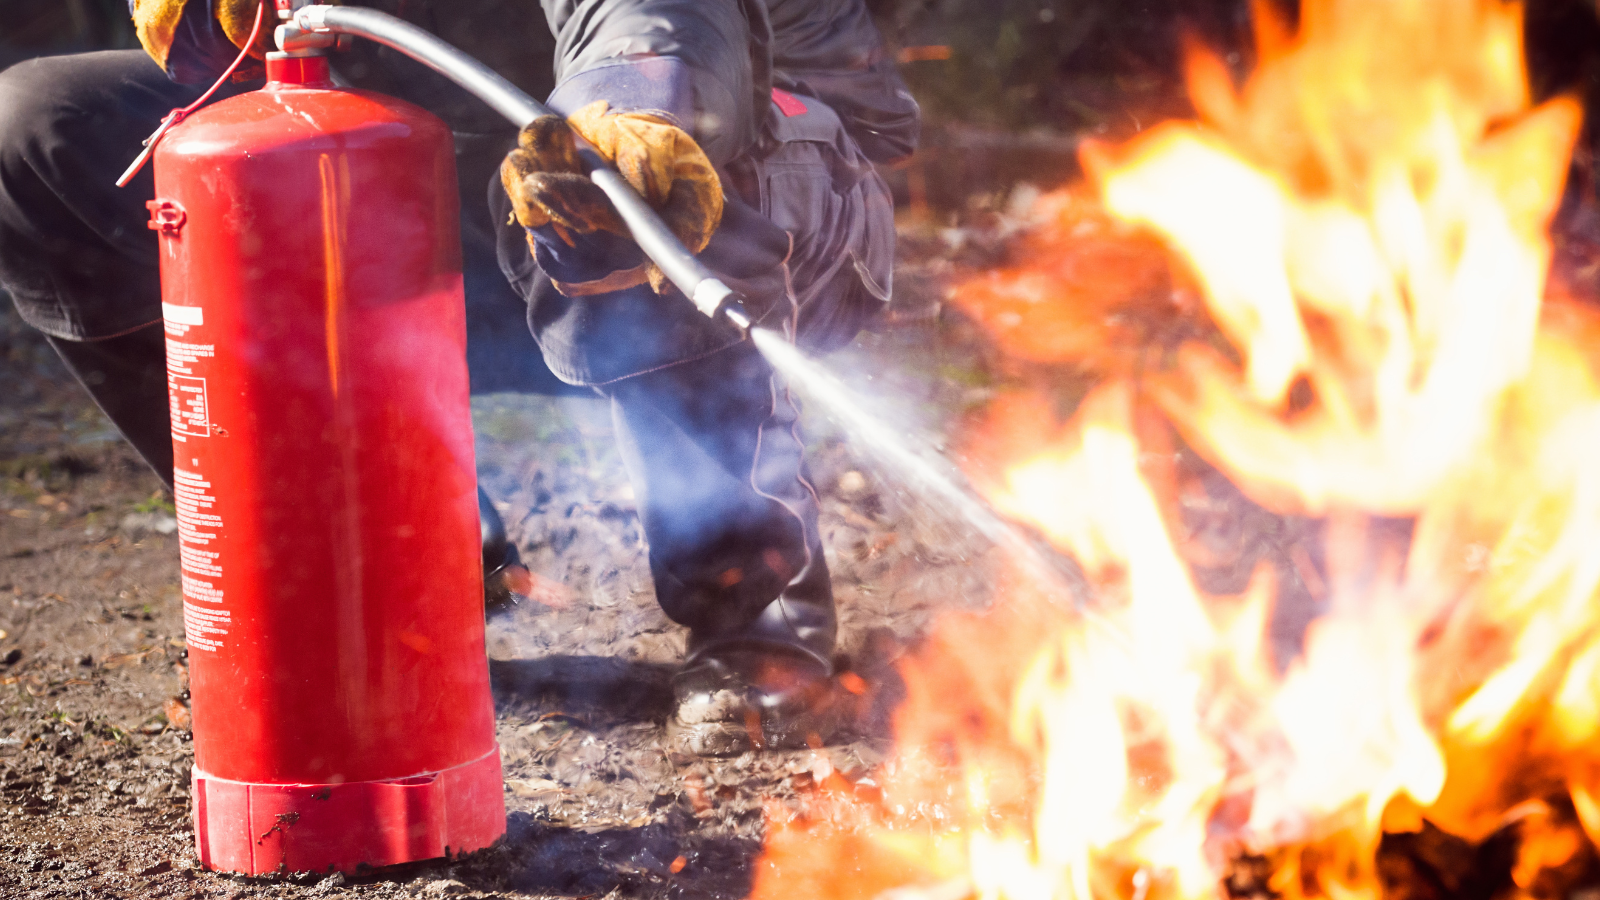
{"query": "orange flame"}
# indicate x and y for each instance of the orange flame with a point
(1364, 226)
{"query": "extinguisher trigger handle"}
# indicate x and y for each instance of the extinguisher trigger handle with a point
(294, 40)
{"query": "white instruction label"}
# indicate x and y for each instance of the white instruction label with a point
(181, 354)
(179, 319)
(190, 411)
(205, 623)
(198, 522)
(205, 629)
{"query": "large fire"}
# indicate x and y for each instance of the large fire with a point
(1354, 330)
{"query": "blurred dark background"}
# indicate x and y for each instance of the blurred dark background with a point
(1008, 87)
(34, 27)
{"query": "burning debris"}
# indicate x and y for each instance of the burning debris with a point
(1323, 305)
(1333, 491)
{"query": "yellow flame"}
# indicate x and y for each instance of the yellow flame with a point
(1365, 221)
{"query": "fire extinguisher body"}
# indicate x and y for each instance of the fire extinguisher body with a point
(325, 483)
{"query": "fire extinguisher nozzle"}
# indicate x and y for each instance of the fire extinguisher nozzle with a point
(716, 300)
(734, 312)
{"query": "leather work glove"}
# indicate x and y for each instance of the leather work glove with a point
(156, 24)
(574, 232)
(237, 17)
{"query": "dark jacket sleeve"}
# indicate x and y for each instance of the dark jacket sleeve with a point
(712, 64)
(831, 50)
(703, 62)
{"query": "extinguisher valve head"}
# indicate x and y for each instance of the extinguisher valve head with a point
(305, 69)
(296, 41)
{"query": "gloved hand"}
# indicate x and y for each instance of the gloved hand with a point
(238, 16)
(574, 232)
(156, 24)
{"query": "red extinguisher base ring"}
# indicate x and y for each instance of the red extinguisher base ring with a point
(255, 829)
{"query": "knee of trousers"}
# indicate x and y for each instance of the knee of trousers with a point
(41, 115)
(74, 251)
(68, 117)
(34, 102)
(29, 110)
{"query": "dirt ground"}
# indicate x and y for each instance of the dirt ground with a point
(94, 747)
(94, 751)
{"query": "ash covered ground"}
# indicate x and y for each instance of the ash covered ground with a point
(94, 747)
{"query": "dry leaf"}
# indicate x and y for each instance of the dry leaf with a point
(530, 788)
(177, 714)
(538, 588)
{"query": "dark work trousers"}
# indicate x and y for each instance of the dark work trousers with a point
(710, 443)
(80, 264)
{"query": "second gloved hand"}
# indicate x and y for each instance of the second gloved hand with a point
(574, 232)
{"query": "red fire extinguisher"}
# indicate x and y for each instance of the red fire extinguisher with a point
(325, 485)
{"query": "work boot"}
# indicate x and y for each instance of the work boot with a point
(735, 701)
(506, 581)
(771, 686)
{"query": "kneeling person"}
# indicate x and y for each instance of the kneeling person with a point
(752, 126)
